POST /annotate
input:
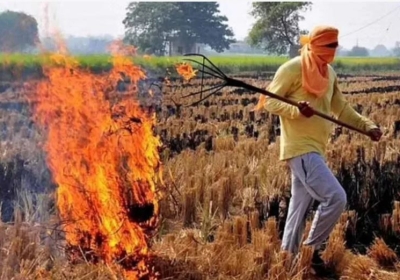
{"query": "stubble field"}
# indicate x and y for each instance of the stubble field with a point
(225, 194)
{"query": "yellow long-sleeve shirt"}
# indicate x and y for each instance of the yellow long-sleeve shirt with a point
(299, 134)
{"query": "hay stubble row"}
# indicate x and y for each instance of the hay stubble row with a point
(226, 194)
(237, 192)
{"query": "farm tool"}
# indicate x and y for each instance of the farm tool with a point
(213, 71)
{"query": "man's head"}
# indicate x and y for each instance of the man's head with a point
(322, 42)
(319, 49)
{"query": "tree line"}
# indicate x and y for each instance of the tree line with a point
(156, 27)
(173, 28)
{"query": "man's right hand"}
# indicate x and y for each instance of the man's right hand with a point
(305, 109)
(375, 134)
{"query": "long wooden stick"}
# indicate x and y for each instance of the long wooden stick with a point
(238, 83)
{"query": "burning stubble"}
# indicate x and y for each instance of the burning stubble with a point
(104, 161)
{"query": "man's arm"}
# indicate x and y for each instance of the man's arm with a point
(342, 109)
(281, 85)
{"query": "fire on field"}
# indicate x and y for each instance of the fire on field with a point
(103, 156)
(226, 197)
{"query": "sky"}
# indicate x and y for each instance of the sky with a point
(366, 23)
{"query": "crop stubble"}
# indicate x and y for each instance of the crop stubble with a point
(226, 194)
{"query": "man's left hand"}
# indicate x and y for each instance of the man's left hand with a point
(375, 134)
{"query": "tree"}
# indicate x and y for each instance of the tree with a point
(17, 31)
(358, 51)
(150, 25)
(380, 51)
(277, 25)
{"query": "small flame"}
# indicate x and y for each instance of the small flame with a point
(104, 158)
(186, 71)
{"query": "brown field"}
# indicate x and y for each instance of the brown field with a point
(225, 194)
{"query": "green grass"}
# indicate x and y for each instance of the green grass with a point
(31, 64)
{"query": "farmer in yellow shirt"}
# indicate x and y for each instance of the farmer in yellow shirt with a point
(311, 81)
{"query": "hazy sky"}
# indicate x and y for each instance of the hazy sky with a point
(92, 17)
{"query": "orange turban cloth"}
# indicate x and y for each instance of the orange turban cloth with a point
(315, 56)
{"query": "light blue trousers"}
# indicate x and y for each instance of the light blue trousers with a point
(312, 180)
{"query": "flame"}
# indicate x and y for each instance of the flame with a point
(186, 71)
(104, 158)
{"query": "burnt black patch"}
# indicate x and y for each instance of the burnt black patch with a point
(140, 213)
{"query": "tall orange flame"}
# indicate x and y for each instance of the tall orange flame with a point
(104, 158)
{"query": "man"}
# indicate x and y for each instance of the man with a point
(309, 80)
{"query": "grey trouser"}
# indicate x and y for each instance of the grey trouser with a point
(312, 180)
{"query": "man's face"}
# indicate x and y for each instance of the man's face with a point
(331, 56)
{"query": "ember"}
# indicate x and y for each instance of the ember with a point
(186, 71)
(104, 158)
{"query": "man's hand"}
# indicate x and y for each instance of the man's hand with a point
(375, 134)
(305, 109)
